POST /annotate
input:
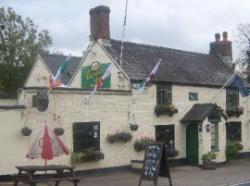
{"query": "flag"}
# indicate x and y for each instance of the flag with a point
(100, 82)
(238, 82)
(57, 80)
(150, 77)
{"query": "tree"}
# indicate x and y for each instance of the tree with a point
(20, 43)
(244, 41)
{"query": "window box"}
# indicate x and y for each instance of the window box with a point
(86, 155)
(235, 112)
(166, 109)
(119, 137)
(171, 152)
(141, 144)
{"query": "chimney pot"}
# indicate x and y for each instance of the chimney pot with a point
(99, 22)
(224, 34)
(217, 37)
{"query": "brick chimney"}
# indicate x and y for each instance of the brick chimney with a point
(222, 48)
(99, 22)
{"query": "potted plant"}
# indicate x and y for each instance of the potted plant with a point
(26, 131)
(207, 161)
(165, 109)
(119, 137)
(232, 149)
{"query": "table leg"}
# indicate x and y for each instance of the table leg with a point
(19, 176)
(57, 183)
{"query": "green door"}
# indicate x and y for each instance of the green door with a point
(192, 143)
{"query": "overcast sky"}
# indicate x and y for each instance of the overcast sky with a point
(182, 24)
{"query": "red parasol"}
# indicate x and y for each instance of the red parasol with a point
(47, 145)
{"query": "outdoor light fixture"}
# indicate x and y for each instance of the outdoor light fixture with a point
(208, 128)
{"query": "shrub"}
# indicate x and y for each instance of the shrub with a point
(141, 143)
(232, 149)
(167, 109)
(86, 156)
(119, 137)
(209, 156)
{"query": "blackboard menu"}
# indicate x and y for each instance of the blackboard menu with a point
(155, 162)
(152, 162)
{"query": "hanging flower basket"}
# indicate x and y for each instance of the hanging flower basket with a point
(59, 131)
(26, 131)
(133, 127)
(166, 109)
(119, 137)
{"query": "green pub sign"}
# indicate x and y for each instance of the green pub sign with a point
(91, 74)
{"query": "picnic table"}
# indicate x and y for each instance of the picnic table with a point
(27, 174)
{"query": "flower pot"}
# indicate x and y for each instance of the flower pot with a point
(209, 165)
(59, 131)
(133, 127)
(170, 152)
(26, 131)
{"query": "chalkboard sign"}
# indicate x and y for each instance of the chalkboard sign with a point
(155, 162)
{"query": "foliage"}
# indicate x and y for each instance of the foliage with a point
(235, 112)
(168, 109)
(141, 144)
(244, 44)
(209, 156)
(232, 149)
(20, 42)
(120, 137)
(86, 156)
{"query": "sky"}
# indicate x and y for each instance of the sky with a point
(182, 24)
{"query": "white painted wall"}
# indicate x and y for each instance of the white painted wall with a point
(39, 75)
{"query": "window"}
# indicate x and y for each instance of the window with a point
(34, 101)
(232, 98)
(164, 94)
(193, 96)
(214, 136)
(165, 133)
(233, 131)
(86, 135)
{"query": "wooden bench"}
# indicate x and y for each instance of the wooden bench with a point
(26, 174)
(33, 182)
(45, 179)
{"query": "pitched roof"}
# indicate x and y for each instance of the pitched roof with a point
(198, 112)
(53, 61)
(180, 67)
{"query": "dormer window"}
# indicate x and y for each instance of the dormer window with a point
(164, 94)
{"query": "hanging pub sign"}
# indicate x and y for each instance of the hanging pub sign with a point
(155, 164)
(91, 74)
(42, 100)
